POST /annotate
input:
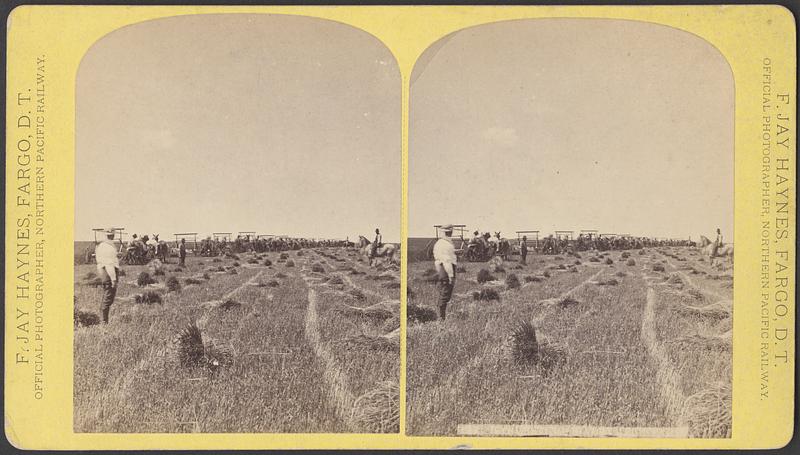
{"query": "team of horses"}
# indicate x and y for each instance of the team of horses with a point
(139, 252)
(215, 247)
(479, 246)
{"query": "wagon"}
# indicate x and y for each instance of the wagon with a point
(565, 241)
(119, 234)
(219, 236)
(458, 233)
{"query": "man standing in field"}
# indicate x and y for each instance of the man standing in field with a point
(378, 240)
(717, 243)
(182, 252)
(444, 260)
(523, 249)
(107, 266)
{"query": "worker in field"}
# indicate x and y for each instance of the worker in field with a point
(717, 243)
(523, 249)
(182, 252)
(152, 244)
(105, 254)
(377, 243)
(476, 238)
(445, 260)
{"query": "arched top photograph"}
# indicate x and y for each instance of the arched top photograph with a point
(237, 224)
(571, 191)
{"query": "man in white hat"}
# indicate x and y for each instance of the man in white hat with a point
(105, 254)
(444, 260)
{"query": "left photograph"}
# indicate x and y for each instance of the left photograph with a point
(237, 228)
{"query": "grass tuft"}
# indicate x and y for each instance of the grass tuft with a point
(173, 285)
(420, 314)
(567, 302)
(484, 276)
(512, 281)
(144, 279)
(84, 318)
(378, 411)
(148, 298)
(708, 412)
(195, 352)
(486, 295)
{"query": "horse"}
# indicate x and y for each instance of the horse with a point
(723, 251)
(388, 251)
(162, 251)
(502, 247)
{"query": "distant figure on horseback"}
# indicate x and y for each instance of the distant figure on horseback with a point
(717, 243)
(389, 251)
(376, 244)
(715, 249)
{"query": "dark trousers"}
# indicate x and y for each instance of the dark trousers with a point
(109, 293)
(445, 289)
(183, 260)
(524, 256)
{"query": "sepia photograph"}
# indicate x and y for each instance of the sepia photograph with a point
(237, 228)
(570, 232)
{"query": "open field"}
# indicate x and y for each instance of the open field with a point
(307, 344)
(635, 339)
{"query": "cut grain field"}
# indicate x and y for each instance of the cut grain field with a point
(623, 339)
(307, 344)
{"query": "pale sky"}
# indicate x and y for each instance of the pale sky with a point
(275, 124)
(570, 124)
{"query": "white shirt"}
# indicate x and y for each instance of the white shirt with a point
(444, 254)
(106, 256)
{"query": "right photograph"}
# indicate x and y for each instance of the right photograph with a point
(570, 223)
